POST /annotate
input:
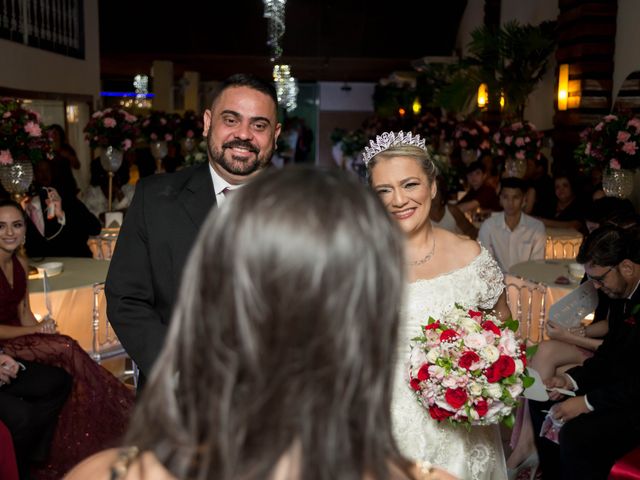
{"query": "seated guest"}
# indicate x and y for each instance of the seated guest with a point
(540, 195)
(480, 195)
(8, 466)
(98, 408)
(567, 211)
(602, 422)
(30, 400)
(449, 217)
(512, 236)
(260, 380)
(61, 230)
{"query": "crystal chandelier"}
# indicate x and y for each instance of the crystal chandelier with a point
(274, 12)
(286, 87)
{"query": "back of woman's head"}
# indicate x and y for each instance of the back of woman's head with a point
(283, 336)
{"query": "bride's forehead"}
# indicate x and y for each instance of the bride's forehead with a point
(397, 167)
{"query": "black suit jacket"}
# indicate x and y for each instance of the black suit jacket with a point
(156, 237)
(611, 378)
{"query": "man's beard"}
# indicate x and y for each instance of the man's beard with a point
(239, 166)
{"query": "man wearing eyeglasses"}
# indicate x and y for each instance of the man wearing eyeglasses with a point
(601, 422)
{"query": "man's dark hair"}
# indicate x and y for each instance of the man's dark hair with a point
(606, 209)
(513, 182)
(609, 245)
(250, 81)
(477, 165)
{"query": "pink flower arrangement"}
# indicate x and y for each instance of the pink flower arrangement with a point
(468, 368)
(21, 134)
(471, 135)
(112, 127)
(190, 126)
(613, 143)
(160, 126)
(518, 140)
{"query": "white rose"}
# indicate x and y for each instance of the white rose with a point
(475, 341)
(449, 382)
(436, 372)
(417, 357)
(494, 390)
(470, 325)
(515, 390)
(433, 355)
(519, 366)
(508, 344)
(475, 389)
(490, 353)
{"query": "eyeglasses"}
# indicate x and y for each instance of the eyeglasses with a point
(600, 278)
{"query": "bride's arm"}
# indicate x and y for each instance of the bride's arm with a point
(501, 308)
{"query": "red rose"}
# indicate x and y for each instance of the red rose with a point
(493, 373)
(506, 366)
(432, 326)
(415, 384)
(456, 397)
(467, 359)
(423, 373)
(481, 407)
(491, 327)
(438, 413)
(448, 334)
(474, 314)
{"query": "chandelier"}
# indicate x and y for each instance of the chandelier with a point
(274, 12)
(286, 87)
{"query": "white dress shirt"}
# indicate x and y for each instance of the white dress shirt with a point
(220, 185)
(526, 242)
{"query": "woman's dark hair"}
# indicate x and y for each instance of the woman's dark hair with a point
(10, 203)
(609, 245)
(282, 341)
(610, 209)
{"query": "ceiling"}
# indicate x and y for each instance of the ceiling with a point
(330, 40)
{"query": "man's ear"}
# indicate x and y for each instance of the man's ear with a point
(207, 122)
(627, 268)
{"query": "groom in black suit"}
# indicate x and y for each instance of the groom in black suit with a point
(167, 211)
(602, 422)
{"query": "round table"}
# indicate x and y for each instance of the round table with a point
(562, 243)
(71, 295)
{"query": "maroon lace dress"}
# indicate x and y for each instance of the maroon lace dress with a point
(97, 412)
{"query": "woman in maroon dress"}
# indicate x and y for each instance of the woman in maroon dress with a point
(97, 411)
(8, 467)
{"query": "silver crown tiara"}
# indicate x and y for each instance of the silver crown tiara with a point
(389, 139)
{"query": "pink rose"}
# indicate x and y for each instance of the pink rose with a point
(168, 137)
(97, 114)
(153, 136)
(587, 149)
(610, 118)
(614, 164)
(109, 122)
(485, 145)
(623, 136)
(508, 140)
(520, 155)
(630, 148)
(5, 157)
(599, 127)
(527, 140)
(474, 132)
(496, 137)
(126, 144)
(463, 144)
(33, 129)
(190, 133)
(519, 142)
(634, 122)
(500, 152)
(6, 114)
(163, 121)
(516, 126)
(145, 123)
(485, 129)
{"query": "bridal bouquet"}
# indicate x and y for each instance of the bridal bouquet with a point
(468, 368)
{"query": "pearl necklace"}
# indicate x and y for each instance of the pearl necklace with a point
(426, 258)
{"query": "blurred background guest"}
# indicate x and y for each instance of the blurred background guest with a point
(568, 209)
(480, 195)
(447, 216)
(95, 197)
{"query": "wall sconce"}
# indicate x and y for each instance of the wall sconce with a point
(417, 106)
(563, 87)
(483, 95)
(72, 114)
(501, 100)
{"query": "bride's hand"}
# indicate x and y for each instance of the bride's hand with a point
(431, 473)
(48, 325)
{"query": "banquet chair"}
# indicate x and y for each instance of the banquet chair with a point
(526, 301)
(104, 342)
(562, 248)
(102, 245)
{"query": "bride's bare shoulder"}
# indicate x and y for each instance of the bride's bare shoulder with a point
(459, 248)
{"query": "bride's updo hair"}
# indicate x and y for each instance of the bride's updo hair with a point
(423, 158)
(282, 342)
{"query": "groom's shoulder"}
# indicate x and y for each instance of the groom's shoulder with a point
(171, 183)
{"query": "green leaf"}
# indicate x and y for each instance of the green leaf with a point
(509, 421)
(531, 351)
(512, 325)
(527, 381)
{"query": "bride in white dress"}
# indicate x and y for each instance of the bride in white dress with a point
(443, 269)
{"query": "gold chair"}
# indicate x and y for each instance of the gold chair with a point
(527, 301)
(104, 343)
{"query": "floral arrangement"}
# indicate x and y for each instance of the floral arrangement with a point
(613, 143)
(468, 368)
(190, 126)
(112, 127)
(519, 140)
(471, 135)
(160, 126)
(21, 134)
(198, 155)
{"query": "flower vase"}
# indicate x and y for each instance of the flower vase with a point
(515, 167)
(468, 155)
(111, 160)
(16, 177)
(159, 150)
(336, 153)
(617, 183)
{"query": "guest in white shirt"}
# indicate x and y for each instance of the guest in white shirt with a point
(512, 236)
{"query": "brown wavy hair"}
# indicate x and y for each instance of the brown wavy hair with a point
(283, 338)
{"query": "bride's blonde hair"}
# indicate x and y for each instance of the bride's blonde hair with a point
(411, 151)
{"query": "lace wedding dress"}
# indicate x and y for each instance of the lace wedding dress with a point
(474, 454)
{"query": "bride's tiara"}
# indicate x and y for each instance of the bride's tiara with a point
(390, 139)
